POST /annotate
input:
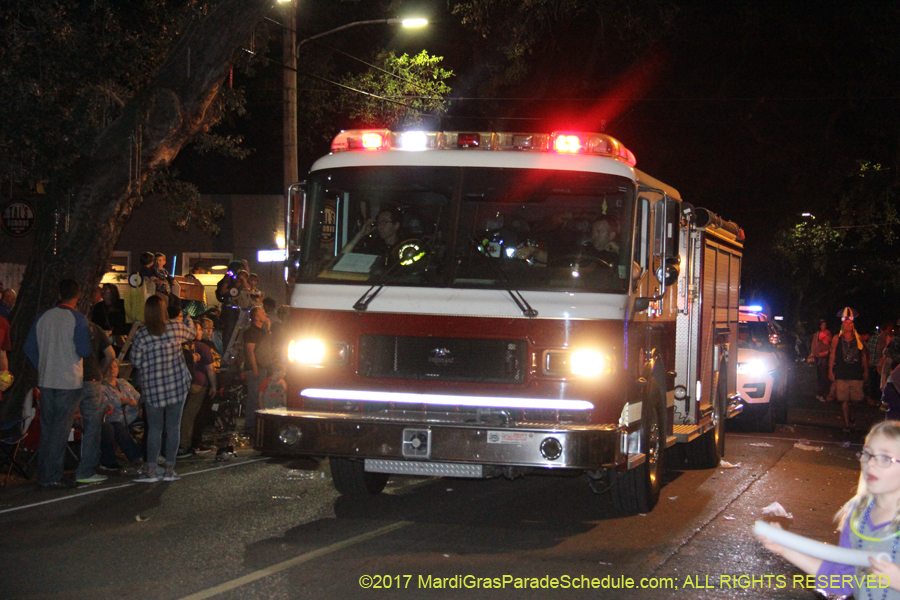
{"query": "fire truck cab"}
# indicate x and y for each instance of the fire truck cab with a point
(490, 304)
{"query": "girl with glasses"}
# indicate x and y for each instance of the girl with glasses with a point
(869, 521)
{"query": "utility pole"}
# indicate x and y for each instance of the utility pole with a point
(291, 48)
(291, 174)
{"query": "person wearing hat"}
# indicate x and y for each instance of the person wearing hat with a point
(848, 365)
(819, 352)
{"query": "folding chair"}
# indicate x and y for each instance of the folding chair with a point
(12, 434)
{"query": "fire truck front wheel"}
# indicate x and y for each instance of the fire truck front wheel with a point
(637, 490)
(351, 479)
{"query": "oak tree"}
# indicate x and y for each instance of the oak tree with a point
(96, 97)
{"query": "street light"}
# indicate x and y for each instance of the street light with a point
(291, 49)
(410, 23)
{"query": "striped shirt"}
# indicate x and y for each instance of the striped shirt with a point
(165, 379)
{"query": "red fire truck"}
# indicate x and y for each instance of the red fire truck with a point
(494, 304)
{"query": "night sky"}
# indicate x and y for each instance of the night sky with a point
(758, 111)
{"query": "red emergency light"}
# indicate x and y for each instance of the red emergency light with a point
(362, 139)
(591, 143)
(372, 141)
(568, 144)
(465, 140)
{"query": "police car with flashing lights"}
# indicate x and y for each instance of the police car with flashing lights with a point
(762, 370)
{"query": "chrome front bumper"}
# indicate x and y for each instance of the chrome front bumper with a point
(586, 447)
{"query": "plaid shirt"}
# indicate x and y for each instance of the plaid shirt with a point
(165, 379)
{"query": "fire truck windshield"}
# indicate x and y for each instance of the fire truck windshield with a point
(469, 227)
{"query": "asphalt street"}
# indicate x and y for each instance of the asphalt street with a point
(259, 528)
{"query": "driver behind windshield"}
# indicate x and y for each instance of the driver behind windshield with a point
(377, 236)
(601, 245)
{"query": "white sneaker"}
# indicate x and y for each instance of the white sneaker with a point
(147, 475)
(171, 475)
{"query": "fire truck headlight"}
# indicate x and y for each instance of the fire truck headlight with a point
(317, 352)
(588, 363)
(580, 362)
(306, 352)
(753, 367)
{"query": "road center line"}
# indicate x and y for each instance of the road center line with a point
(124, 485)
(297, 560)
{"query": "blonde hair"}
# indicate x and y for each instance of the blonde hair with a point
(855, 508)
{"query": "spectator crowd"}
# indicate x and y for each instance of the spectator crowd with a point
(856, 365)
(142, 392)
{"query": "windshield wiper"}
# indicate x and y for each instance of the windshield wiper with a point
(363, 303)
(516, 295)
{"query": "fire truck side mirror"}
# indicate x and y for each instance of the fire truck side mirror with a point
(673, 230)
(294, 213)
(292, 267)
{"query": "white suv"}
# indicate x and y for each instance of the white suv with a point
(761, 369)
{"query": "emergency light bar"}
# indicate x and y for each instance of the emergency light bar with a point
(574, 142)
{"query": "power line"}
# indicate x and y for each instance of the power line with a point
(371, 66)
(364, 93)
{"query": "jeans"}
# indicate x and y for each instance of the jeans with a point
(192, 407)
(117, 434)
(169, 418)
(252, 404)
(57, 413)
(91, 419)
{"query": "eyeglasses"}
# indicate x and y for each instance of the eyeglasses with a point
(383, 222)
(881, 460)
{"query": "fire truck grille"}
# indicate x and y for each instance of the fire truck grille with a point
(442, 359)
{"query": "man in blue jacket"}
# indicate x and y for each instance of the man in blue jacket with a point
(56, 346)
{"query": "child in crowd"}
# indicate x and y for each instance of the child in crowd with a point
(121, 410)
(253, 280)
(273, 389)
(869, 521)
(163, 285)
(147, 269)
(151, 268)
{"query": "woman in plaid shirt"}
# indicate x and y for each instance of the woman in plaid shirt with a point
(165, 382)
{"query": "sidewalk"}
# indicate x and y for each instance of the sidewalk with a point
(220, 441)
